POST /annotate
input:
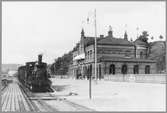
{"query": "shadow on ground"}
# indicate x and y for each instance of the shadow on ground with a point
(60, 88)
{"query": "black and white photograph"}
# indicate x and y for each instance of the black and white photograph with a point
(91, 56)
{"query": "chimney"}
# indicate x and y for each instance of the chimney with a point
(101, 36)
(110, 32)
(40, 58)
(82, 33)
(125, 36)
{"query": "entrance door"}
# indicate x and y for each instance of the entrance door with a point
(124, 69)
(99, 71)
(90, 71)
(79, 73)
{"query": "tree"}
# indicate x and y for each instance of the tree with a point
(61, 64)
(52, 69)
(160, 37)
(144, 36)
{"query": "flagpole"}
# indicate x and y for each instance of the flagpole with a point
(137, 31)
(95, 47)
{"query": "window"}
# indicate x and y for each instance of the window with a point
(141, 54)
(124, 69)
(136, 69)
(147, 69)
(90, 53)
(112, 69)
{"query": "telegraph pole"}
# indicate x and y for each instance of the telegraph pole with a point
(95, 47)
(90, 67)
(137, 31)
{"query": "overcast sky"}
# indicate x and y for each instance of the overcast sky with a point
(53, 28)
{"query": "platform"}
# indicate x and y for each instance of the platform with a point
(13, 99)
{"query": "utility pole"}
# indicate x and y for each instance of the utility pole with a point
(90, 67)
(95, 46)
(137, 29)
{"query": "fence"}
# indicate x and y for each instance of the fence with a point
(145, 78)
(62, 76)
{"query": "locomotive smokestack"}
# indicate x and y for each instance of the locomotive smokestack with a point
(40, 58)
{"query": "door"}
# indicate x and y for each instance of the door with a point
(99, 71)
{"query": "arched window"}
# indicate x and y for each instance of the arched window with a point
(124, 69)
(147, 69)
(112, 69)
(136, 69)
(141, 54)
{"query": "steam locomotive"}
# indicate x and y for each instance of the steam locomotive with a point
(35, 76)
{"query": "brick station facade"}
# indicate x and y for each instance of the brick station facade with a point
(114, 56)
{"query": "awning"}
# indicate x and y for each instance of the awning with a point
(79, 57)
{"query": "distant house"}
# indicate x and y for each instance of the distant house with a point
(12, 73)
(114, 56)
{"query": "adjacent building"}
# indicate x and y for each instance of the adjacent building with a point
(114, 56)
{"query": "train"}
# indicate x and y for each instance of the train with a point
(35, 76)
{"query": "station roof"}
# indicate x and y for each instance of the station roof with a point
(115, 41)
(107, 41)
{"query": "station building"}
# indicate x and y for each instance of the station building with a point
(114, 56)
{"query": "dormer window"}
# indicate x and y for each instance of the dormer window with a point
(90, 53)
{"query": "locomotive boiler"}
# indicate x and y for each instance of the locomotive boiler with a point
(35, 76)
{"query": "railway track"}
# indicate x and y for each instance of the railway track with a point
(16, 97)
(42, 101)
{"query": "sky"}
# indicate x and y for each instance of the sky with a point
(54, 28)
